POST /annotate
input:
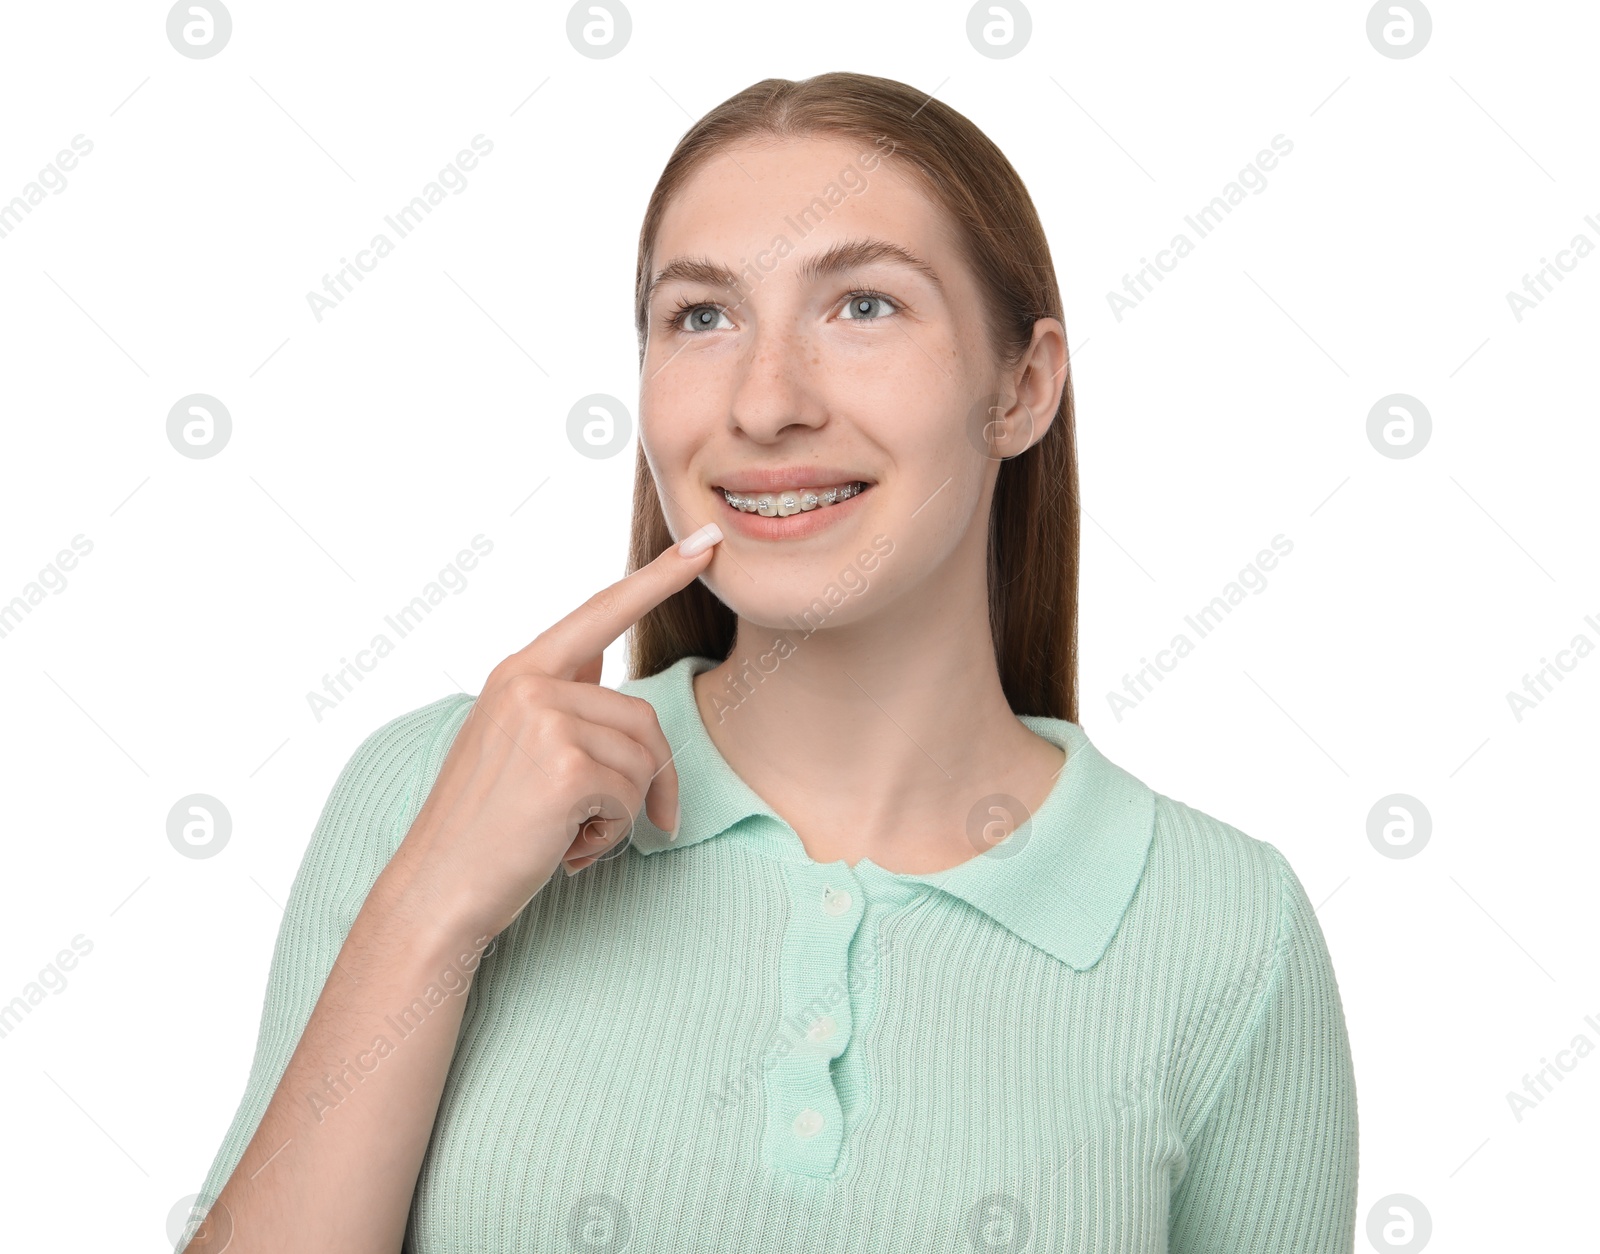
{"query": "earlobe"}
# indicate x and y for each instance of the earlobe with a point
(1017, 434)
(1040, 424)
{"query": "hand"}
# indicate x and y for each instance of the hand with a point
(542, 747)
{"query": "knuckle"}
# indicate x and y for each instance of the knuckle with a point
(648, 722)
(644, 712)
(567, 764)
(526, 689)
(546, 723)
(602, 606)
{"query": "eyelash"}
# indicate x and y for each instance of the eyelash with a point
(681, 310)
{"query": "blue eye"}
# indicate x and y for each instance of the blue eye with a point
(698, 316)
(859, 307)
(692, 316)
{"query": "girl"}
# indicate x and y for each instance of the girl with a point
(862, 943)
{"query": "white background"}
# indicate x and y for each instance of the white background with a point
(369, 447)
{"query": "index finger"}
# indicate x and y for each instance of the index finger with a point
(565, 647)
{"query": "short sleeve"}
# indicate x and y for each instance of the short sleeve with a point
(1272, 1165)
(365, 817)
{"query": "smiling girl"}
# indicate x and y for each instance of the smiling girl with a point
(862, 943)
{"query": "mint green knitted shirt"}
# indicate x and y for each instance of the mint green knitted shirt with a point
(1117, 1030)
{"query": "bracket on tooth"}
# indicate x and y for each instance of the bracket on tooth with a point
(782, 504)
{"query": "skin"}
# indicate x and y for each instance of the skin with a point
(509, 804)
(780, 373)
(895, 774)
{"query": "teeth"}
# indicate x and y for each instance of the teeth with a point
(782, 504)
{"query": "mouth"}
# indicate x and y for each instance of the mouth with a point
(788, 501)
(778, 503)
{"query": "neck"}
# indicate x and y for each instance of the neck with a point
(876, 737)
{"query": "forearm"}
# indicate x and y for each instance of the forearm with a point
(334, 1161)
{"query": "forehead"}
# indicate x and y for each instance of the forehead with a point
(808, 192)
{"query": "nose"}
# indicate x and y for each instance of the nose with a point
(777, 390)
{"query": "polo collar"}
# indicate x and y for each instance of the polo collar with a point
(1064, 889)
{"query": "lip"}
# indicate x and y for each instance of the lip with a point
(780, 478)
(795, 526)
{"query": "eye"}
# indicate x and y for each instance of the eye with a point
(859, 308)
(697, 316)
(694, 316)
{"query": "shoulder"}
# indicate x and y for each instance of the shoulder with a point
(1219, 867)
(413, 731)
(1238, 892)
(1259, 1047)
(404, 745)
(385, 780)
(1223, 907)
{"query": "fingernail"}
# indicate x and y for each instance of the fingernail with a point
(698, 542)
(677, 822)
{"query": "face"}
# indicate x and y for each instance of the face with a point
(814, 336)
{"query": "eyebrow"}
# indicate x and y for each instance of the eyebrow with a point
(848, 254)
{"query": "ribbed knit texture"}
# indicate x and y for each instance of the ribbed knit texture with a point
(635, 1043)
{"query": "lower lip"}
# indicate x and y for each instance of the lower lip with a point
(795, 526)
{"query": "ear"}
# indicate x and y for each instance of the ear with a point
(1038, 380)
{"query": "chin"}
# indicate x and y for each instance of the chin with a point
(789, 592)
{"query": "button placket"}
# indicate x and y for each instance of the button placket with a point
(805, 1121)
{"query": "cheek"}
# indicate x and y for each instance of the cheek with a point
(671, 422)
(667, 458)
(941, 503)
(949, 514)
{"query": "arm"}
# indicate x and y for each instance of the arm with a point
(1272, 1165)
(327, 1143)
(389, 915)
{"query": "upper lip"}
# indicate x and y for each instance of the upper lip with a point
(777, 478)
